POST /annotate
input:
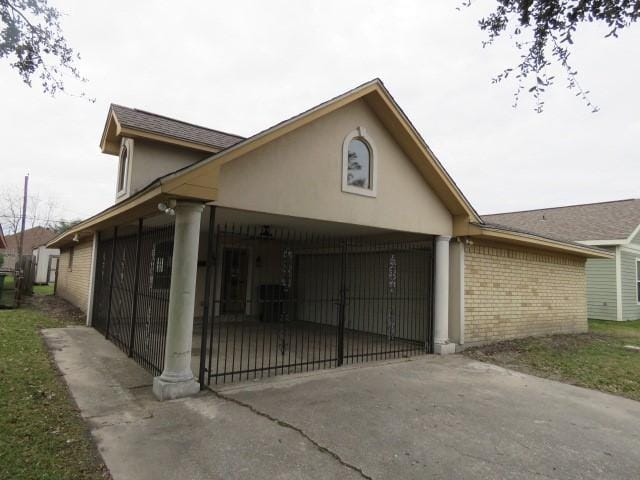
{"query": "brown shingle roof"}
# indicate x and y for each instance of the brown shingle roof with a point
(158, 124)
(33, 238)
(594, 221)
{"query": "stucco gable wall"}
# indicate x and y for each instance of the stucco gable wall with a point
(515, 292)
(300, 174)
(151, 160)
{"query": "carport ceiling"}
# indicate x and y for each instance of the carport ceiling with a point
(243, 217)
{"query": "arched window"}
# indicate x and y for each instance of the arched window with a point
(359, 164)
(122, 168)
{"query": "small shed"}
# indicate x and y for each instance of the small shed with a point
(46, 264)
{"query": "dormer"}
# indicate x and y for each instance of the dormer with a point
(149, 146)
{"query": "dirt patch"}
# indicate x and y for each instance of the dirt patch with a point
(525, 345)
(56, 307)
(534, 355)
(596, 359)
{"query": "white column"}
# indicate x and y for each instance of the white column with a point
(441, 298)
(92, 274)
(177, 379)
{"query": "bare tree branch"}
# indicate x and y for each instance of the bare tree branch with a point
(40, 213)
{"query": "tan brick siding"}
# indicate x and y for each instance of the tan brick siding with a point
(73, 284)
(516, 292)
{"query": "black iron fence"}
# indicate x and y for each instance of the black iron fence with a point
(284, 302)
(131, 290)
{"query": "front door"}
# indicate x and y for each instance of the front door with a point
(234, 280)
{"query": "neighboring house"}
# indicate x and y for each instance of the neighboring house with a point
(333, 237)
(33, 238)
(613, 284)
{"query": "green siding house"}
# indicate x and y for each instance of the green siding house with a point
(613, 285)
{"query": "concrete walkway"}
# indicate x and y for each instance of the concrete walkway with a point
(431, 417)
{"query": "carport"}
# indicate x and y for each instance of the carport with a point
(273, 295)
(288, 295)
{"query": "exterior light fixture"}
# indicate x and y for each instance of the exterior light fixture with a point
(167, 207)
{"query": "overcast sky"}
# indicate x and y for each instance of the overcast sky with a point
(243, 66)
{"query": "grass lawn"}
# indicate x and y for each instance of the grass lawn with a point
(596, 359)
(42, 435)
(43, 289)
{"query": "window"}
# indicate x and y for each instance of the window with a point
(638, 280)
(122, 169)
(71, 258)
(162, 257)
(359, 164)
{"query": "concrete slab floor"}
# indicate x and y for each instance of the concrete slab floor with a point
(430, 417)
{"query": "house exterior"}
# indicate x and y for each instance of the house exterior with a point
(333, 237)
(613, 284)
(33, 238)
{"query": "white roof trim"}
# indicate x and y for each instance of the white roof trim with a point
(622, 241)
(633, 234)
(599, 243)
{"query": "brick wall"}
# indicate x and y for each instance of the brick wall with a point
(73, 283)
(517, 292)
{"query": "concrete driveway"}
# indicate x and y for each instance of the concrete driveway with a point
(431, 417)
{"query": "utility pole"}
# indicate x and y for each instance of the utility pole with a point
(19, 275)
(24, 214)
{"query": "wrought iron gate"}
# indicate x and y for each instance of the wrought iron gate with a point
(313, 302)
(131, 290)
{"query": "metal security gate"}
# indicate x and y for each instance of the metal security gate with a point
(282, 302)
(131, 290)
